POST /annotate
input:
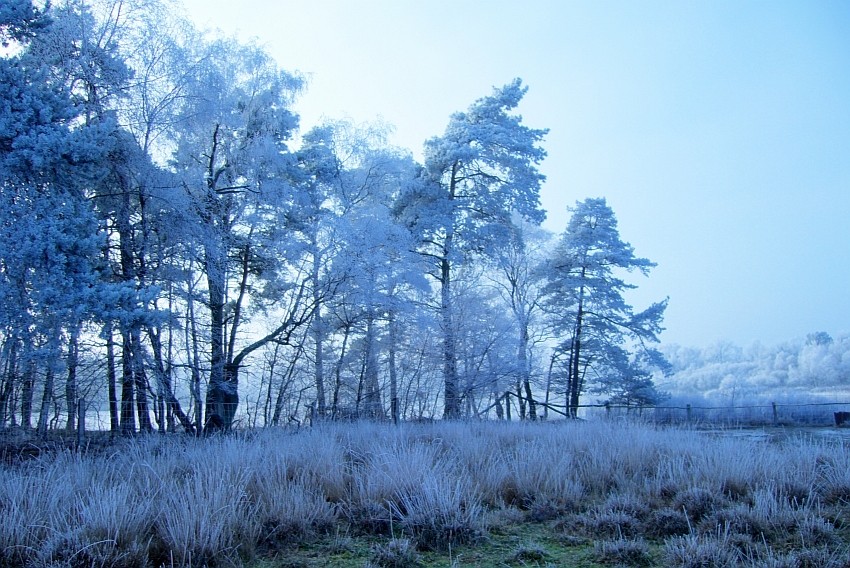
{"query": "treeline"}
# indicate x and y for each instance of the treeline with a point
(816, 367)
(176, 253)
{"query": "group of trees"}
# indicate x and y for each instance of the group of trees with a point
(814, 366)
(172, 246)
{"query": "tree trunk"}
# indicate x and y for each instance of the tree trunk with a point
(575, 382)
(192, 344)
(27, 394)
(574, 390)
(7, 411)
(451, 396)
(318, 332)
(525, 371)
(114, 423)
(532, 406)
(267, 406)
(141, 383)
(520, 399)
(372, 400)
(548, 386)
(172, 405)
(338, 370)
(281, 393)
(222, 391)
(394, 406)
(71, 381)
(46, 397)
(128, 416)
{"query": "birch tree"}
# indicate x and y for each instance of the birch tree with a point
(233, 160)
(520, 287)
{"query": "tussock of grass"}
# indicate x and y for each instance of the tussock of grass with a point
(531, 553)
(397, 553)
(623, 552)
(707, 551)
(177, 501)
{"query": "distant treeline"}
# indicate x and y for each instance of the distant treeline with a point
(804, 369)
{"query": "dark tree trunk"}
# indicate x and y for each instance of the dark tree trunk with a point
(372, 400)
(142, 387)
(112, 394)
(128, 383)
(46, 398)
(575, 382)
(394, 406)
(169, 401)
(338, 370)
(7, 410)
(27, 394)
(451, 396)
(222, 390)
(71, 381)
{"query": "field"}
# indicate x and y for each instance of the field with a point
(444, 494)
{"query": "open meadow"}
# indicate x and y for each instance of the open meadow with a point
(442, 494)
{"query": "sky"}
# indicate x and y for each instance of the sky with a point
(718, 131)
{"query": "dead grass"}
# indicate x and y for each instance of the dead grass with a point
(645, 496)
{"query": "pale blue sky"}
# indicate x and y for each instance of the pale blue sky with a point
(719, 131)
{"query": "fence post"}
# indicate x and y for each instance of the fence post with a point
(688, 410)
(607, 410)
(775, 414)
(81, 421)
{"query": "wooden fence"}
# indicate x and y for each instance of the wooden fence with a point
(770, 414)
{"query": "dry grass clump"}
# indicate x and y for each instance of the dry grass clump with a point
(697, 502)
(664, 523)
(441, 513)
(397, 553)
(530, 554)
(623, 552)
(610, 524)
(705, 551)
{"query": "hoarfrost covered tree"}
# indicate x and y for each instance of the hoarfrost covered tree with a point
(486, 348)
(234, 164)
(475, 176)
(88, 48)
(520, 287)
(380, 275)
(313, 221)
(584, 297)
(50, 154)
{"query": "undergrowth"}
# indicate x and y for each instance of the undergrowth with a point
(583, 494)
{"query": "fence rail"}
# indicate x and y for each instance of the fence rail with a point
(774, 413)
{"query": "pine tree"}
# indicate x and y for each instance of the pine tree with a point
(584, 297)
(481, 171)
